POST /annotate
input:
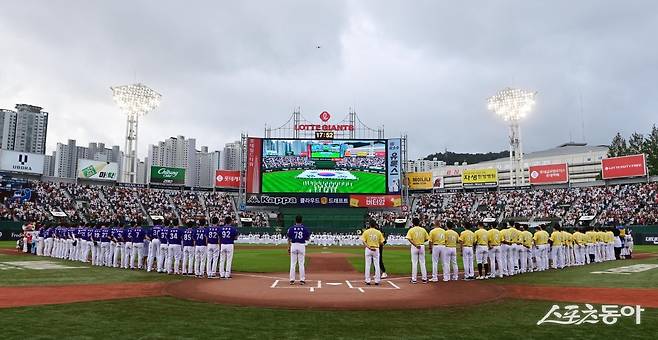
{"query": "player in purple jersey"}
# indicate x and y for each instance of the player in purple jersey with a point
(105, 245)
(227, 234)
(297, 237)
(212, 255)
(127, 247)
(200, 242)
(153, 236)
(175, 244)
(138, 246)
(188, 248)
(164, 246)
(96, 246)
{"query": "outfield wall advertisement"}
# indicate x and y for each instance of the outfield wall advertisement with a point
(167, 175)
(479, 177)
(626, 166)
(97, 170)
(25, 162)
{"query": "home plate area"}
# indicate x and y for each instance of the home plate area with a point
(313, 286)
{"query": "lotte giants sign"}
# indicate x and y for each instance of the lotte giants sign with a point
(227, 179)
(625, 166)
(549, 174)
(324, 116)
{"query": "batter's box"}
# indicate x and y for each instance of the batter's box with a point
(362, 286)
(310, 285)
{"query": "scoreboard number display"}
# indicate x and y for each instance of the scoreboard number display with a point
(324, 135)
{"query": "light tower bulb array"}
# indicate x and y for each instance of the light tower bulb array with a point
(512, 104)
(135, 99)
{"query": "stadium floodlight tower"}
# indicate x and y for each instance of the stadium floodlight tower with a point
(513, 105)
(134, 100)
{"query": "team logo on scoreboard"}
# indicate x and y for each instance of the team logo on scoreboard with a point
(325, 116)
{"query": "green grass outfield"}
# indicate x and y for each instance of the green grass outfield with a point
(167, 318)
(285, 181)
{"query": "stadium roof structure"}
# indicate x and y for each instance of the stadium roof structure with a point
(565, 149)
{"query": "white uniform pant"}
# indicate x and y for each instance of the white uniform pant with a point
(542, 256)
(482, 254)
(372, 258)
(116, 257)
(557, 256)
(450, 261)
(154, 249)
(437, 257)
(467, 258)
(212, 257)
(225, 260)
(297, 255)
(113, 248)
(48, 246)
(188, 259)
(40, 245)
(173, 258)
(138, 252)
(525, 256)
(418, 257)
(505, 251)
(200, 260)
(125, 256)
(162, 257)
(84, 251)
(495, 261)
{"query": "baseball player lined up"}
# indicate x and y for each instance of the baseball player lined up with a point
(417, 236)
(373, 239)
(297, 237)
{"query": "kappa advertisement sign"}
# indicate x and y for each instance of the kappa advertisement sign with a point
(549, 174)
(227, 179)
(166, 175)
(298, 200)
(626, 166)
(31, 163)
(97, 170)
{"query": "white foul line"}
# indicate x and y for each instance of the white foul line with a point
(393, 284)
(319, 284)
(274, 284)
(361, 290)
(312, 289)
(349, 284)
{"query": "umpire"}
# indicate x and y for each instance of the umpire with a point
(381, 254)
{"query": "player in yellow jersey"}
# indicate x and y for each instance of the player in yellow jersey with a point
(482, 250)
(541, 243)
(578, 247)
(568, 250)
(372, 239)
(525, 251)
(505, 247)
(515, 249)
(590, 238)
(417, 236)
(437, 249)
(467, 240)
(610, 244)
(557, 247)
(495, 259)
(450, 255)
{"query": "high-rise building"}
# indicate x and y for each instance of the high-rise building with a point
(67, 155)
(25, 129)
(179, 152)
(232, 156)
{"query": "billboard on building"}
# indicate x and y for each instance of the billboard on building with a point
(394, 162)
(419, 180)
(479, 177)
(227, 179)
(97, 170)
(167, 175)
(437, 182)
(549, 174)
(625, 166)
(254, 155)
(26, 162)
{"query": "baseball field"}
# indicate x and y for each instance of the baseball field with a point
(47, 298)
(288, 181)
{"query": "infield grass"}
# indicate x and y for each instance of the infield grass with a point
(167, 318)
(285, 182)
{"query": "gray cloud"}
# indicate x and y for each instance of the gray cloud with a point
(421, 67)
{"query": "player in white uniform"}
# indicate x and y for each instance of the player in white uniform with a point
(200, 242)
(297, 237)
(227, 236)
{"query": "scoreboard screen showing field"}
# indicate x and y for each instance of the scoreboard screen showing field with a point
(324, 166)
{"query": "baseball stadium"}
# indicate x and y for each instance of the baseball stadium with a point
(325, 227)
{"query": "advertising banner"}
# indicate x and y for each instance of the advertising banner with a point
(437, 182)
(97, 170)
(419, 180)
(31, 163)
(549, 174)
(394, 171)
(254, 157)
(166, 175)
(479, 177)
(227, 179)
(375, 201)
(298, 200)
(625, 166)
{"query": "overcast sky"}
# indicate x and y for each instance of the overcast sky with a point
(420, 67)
